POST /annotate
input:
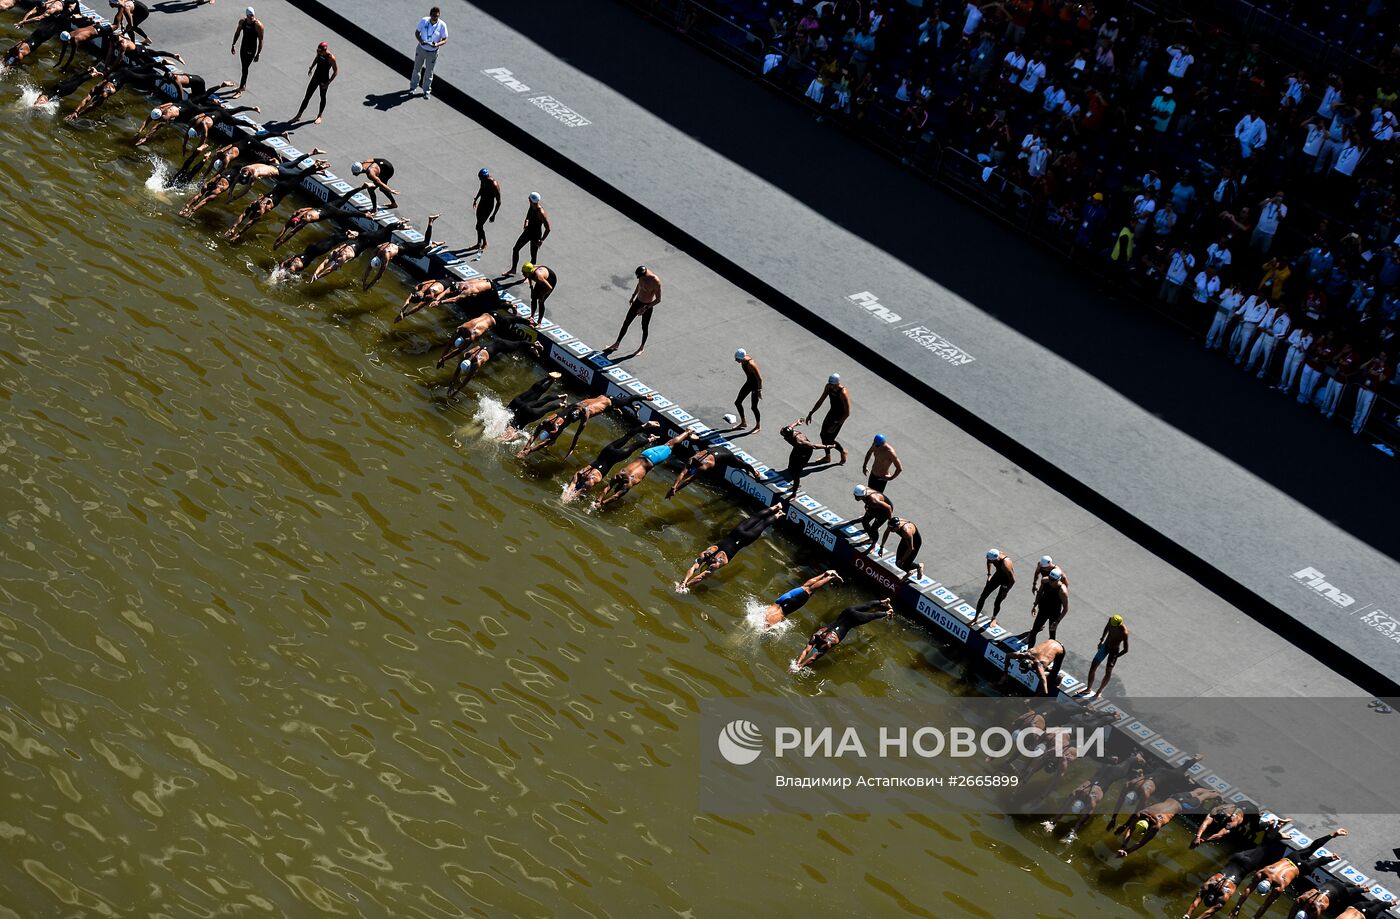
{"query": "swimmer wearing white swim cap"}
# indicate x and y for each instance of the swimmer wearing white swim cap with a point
(751, 390)
(836, 415)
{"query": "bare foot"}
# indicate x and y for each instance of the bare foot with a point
(318, 120)
(237, 92)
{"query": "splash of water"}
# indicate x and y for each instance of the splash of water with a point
(493, 416)
(159, 180)
(29, 95)
(570, 494)
(755, 617)
(279, 275)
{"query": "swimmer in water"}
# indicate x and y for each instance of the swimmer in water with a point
(795, 599)
(722, 553)
(597, 405)
(457, 292)
(1224, 819)
(213, 187)
(265, 204)
(637, 436)
(709, 459)
(1217, 890)
(386, 252)
(533, 404)
(836, 416)
(1148, 822)
(248, 175)
(466, 334)
(829, 636)
(333, 209)
(910, 542)
(72, 39)
(472, 362)
(297, 263)
(1330, 894)
(67, 86)
(348, 251)
(551, 429)
(1138, 791)
(633, 473)
(1270, 880)
(1084, 800)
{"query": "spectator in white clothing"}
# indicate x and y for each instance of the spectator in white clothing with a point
(1218, 254)
(1272, 330)
(1252, 134)
(1035, 72)
(1179, 265)
(1271, 214)
(1230, 300)
(1207, 285)
(1251, 314)
(1179, 61)
(1299, 341)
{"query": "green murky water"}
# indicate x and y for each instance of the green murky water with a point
(282, 633)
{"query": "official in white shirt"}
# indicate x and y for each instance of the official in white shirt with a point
(1272, 330)
(1299, 341)
(431, 35)
(1251, 314)
(1230, 300)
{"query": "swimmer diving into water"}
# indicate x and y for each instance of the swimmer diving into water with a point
(829, 636)
(795, 599)
(722, 553)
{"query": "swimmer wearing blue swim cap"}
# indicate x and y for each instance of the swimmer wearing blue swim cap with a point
(881, 463)
(627, 478)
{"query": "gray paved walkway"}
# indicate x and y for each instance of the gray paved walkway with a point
(964, 495)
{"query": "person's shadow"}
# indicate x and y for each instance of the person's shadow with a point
(177, 6)
(384, 101)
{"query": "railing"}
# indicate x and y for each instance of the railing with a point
(953, 170)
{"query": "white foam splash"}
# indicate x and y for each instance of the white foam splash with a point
(279, 275)
(570, 494)
(756, 618)
(160, 175)
(1048, 826)
(29, 95)
(493, 416)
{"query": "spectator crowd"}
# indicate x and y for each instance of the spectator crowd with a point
(1255, 198)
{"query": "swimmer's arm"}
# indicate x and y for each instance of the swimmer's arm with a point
(544, 217)
(898, 466)
(1125, 644)
(237, 30)
(497, 209)
(815, 406)
(257, 54)
(540, 282)
(335, 68)
(865, 464)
